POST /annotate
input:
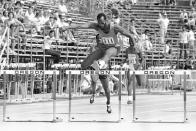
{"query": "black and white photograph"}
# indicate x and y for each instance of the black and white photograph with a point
(97, 65)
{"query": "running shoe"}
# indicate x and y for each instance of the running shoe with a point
(109, 109)
(92, 99)
(129, 102)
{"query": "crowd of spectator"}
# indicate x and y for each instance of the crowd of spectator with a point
(32, 19)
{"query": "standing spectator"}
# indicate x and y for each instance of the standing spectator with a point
(115, 17)
(163, 22)
(183, 42)
(144, 42)
(191, 40)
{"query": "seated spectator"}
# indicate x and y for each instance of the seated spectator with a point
(167, 49)
(183, 16)
(61, 21)
(49, 49)
(191, 21)
(4, 17)
(30, 16)
(19, 11)
(62, 7)
(51, 24)
(172, 3)
(115, 17)
(68, 33)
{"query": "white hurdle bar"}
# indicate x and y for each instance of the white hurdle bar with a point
(160, 72)
(102, 72)
(35, 72)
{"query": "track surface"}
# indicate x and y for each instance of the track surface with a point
(154, 108)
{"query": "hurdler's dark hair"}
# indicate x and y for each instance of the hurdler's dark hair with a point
(101, 15)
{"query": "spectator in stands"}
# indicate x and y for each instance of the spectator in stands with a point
(167, 49)
(51, 24)
(192, 3)
(62, 7)
(6, 6)
(163, 22)
(191, 21)
(133, 29)
(4, 17)
(70, 36)
(2, 2)
(134, 2)
(14, 24)
(115, 16)
(183, 42)
(172, 3)
(19, 11)
(193, 13)
(48, 47)
(191, 40)
(144, 42)
(183, 16)
(30, 15)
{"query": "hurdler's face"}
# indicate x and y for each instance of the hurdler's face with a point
(102, 23)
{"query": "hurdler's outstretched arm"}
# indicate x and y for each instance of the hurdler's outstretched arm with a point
(81, 26)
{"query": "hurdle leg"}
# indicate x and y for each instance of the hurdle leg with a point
(32, 85)
(185, 98)
(55, 119)
(134, 97)
(69, 88)
(119, 96)
(4, 96)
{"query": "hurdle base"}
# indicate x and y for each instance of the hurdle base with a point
(95, 121)
(51, 121)
(57, 119)
(158, 121)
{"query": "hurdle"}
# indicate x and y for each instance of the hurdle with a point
(102, 72)
(135, 119)
(54, 73)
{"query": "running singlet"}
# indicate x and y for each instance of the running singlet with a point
(109, 38)
(133, 58)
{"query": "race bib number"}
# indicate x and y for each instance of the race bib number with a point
(132, 59)
(108, 40)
